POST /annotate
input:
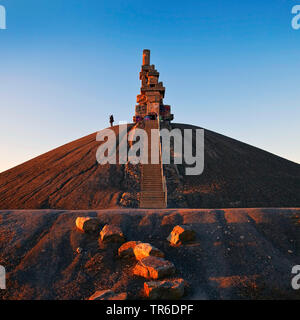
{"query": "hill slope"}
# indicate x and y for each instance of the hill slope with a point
(69, 177)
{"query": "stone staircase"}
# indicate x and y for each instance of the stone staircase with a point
(153, 185)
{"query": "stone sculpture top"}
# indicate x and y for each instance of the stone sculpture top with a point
(150, 100)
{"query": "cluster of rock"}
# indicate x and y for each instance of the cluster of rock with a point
(129, 199)
(132, 180)
(151, 263)
(109, 233)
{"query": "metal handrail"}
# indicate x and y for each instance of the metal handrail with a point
(164, 181)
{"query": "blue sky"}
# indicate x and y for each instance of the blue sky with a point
(230, 66)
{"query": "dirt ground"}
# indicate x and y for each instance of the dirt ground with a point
(238, 253)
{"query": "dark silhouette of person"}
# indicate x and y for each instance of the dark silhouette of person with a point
(111, 120)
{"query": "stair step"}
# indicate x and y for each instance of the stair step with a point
(154, 188)
(159, 193)
(152, 191)
(149, 183)
(152, 183)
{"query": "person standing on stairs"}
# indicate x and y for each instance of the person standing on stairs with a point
(111, 120)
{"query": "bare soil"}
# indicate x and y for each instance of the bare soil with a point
(237, 254)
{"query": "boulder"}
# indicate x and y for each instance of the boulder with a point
(108, 295)
(88, 224)
(126, 249)
(165, 289)
(144, 250)
(111, 233)
(181, 234)
(154, 268)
